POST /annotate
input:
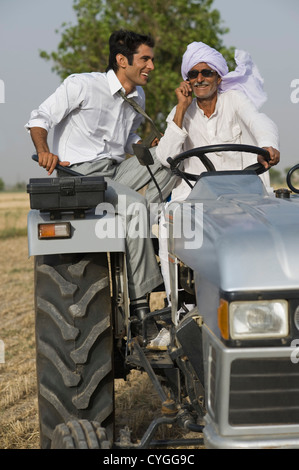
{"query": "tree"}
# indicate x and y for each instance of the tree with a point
(173, 24)
(2, 185)
(276, 177)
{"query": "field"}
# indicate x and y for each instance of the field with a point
(18, 415)
(136, 401)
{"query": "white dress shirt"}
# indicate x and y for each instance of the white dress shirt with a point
(235, 121)
(91, 121)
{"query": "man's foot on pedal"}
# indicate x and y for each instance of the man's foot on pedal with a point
(161, 341)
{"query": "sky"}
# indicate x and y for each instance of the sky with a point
(268, 29)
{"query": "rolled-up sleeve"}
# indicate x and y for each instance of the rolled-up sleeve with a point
(68, 96)
(39, 118)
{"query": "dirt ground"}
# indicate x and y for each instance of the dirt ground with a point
(136, 400)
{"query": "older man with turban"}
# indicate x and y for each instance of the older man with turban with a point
(224, 110)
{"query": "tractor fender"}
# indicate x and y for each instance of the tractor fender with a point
(90, 234)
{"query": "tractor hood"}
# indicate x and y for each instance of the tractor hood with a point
(250, 238)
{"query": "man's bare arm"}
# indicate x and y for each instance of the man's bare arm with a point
(46, 159)
(184, 97)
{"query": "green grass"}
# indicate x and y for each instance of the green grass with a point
(12, 232)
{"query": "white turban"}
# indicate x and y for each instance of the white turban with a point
(245, 77)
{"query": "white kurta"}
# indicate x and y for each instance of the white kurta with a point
(235, 121)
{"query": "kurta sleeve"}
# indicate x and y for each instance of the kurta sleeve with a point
(172, 142)
(263, 129)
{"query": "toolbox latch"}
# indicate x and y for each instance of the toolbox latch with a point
(67, 188)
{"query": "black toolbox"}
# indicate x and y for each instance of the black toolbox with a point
(70, 193)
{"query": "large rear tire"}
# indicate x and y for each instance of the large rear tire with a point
(80, 435)
(74, 342)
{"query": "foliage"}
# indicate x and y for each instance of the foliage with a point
(2, 185)
(173, 24)
(276, 177)
(20, 186)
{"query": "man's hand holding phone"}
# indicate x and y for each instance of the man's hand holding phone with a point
(184, 97)
(184, 93)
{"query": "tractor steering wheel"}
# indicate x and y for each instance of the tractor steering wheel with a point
(200, 152)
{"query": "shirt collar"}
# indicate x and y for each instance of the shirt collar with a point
(115, 85)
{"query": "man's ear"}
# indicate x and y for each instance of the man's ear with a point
(121, 60)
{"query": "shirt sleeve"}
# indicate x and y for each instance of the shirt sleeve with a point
(263, 129)
(68, 96)
(172, 142)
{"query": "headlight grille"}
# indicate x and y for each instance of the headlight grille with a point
(264, 391)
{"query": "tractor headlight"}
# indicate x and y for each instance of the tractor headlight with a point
(258, 319)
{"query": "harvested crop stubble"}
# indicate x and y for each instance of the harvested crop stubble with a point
(136, 401)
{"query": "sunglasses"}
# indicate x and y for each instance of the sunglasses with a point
(192, 74)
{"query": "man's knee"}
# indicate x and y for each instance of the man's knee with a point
(136, 198)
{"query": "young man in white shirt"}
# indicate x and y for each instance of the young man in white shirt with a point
(94, 129)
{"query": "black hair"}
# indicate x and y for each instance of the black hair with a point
(126, 43)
